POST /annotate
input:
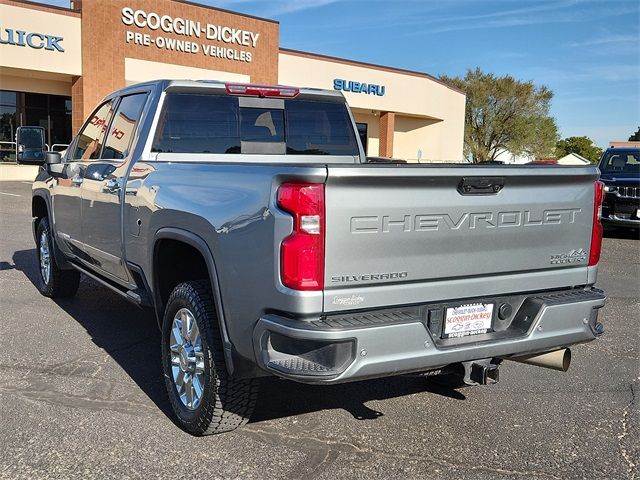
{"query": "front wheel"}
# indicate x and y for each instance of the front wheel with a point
(53, 281)
(204, 398)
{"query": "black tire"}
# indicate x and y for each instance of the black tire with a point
(60, 283)
(226, 403)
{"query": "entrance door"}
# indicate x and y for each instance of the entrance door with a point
(51, 112)
(103, 192)
(67, 188)
(362, 131)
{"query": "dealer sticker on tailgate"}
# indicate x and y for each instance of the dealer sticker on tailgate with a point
(472, 319)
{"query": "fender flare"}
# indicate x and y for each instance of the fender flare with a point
(45, 199)
(193, 240)
(57, 253)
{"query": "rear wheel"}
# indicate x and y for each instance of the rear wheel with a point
(53, 281)
(204, 398)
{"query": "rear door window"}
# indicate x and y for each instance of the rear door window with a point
(196, 123)
(123, 127)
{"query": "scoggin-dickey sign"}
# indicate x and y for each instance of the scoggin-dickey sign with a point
(237, 44)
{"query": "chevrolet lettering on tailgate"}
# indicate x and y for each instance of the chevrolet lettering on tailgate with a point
(470, 221)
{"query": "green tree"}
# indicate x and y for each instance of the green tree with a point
(503, 113)
(636, 136)
(581, 145)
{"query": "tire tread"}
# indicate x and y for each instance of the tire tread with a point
(231, 400)
(62, 283)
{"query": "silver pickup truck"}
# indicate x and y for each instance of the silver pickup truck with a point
(248, 218)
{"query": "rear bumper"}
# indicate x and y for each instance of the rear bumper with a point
(614, 220)
(621, 211)
(330, 350)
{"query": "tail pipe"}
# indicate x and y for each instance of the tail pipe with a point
(555, 360)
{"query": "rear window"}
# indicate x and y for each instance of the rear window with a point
(319, 128)
(199, 124)
(262, 125)
(193, 123)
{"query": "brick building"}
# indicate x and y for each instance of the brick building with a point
(57, 63)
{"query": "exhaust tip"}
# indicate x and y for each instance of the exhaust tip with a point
(556, 360)
(566, 359)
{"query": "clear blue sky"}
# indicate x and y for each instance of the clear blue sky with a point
(586, 51)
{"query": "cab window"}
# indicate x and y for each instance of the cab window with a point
(123, 127)
(91, 137)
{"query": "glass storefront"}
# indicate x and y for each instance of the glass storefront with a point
(8, 123)
(52, 112)
(362, 131)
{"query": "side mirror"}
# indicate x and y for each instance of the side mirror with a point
(30, 144)
(52, 158)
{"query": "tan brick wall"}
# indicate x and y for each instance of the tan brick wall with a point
(104, 47)
(77, 105)
(387, 129)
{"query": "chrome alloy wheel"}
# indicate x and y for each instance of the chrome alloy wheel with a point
(45, 258)
(187, 359)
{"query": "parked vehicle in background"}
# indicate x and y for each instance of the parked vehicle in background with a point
(249, 219)
(543, 162)
(620, 173)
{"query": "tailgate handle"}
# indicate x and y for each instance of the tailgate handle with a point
(480, 185)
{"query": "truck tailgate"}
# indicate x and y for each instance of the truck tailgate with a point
(408, 234)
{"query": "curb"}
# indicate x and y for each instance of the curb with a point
(18, 173)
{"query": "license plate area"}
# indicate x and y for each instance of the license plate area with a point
(467, 320)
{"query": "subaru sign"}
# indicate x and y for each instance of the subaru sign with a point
(358, 87)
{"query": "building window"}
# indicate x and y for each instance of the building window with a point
(52, 112)
(362, 131)
(8, 124)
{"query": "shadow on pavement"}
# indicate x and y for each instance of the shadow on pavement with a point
(125, 332)
(283, 398)
(131, 337)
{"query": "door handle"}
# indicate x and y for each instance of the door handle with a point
(112, 185)
(480, 185)
(77, 180)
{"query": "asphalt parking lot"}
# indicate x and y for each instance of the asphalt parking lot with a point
(82, 396)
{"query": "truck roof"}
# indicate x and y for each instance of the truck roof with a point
(623, 149)
(167, 84)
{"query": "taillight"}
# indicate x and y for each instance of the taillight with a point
(261, 90)
(302, 252)
(596, 232)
